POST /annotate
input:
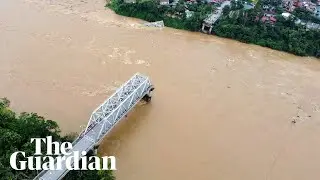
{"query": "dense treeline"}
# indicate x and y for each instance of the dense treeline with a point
(175, 17)
(305, 15)
(242, 25)
(284, 35)
(16, 130)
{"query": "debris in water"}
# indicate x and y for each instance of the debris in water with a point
(154, 24)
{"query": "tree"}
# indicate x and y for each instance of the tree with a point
(236, 4)
(272, 2)
(4, 102)
(284, 35)
(180, 8)
(306, 15)
(15, 134)
(226, 10)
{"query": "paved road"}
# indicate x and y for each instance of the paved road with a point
(216, 14)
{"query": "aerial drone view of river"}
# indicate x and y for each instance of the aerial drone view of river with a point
(221, 109)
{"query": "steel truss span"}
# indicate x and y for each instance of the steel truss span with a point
(104, 118)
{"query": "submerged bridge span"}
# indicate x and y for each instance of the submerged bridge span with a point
(104, 118)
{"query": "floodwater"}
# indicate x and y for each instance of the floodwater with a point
(221, 109)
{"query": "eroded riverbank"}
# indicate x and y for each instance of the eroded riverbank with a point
(221, 109)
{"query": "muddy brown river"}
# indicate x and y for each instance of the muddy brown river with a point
(221, 109)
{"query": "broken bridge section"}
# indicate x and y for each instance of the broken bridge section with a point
(104, 118)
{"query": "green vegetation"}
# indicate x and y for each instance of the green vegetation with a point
(284, 35)
(16, 130)
(175, 17)
(235, 23)
(305, 15)
(235, 5)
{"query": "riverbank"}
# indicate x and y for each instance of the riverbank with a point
(172, 17)
(243, 26)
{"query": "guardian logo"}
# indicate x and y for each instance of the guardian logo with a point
(64, 157)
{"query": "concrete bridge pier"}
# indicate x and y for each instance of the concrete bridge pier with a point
(95, 149)
(207, 28)
(147, 97)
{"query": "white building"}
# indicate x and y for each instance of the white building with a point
(317, 14)
(164, 2)
(286, 15)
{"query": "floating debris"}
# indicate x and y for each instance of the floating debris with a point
(154, 24)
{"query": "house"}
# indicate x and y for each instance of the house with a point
(247, 6)
(164, 2)
(268, 18)
(130, 1)
(308, 5)
(191, 1)
(317, 14)
(272, 20)
(189, 14)
(286, 15)
(288, 5)
(214, 1)
(315, 26)
(268, 8)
